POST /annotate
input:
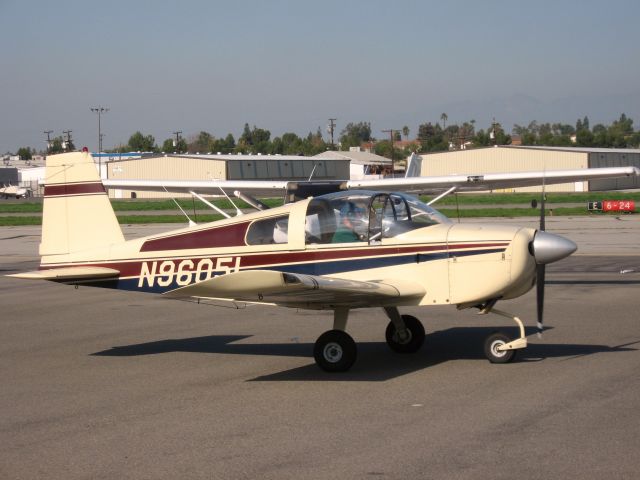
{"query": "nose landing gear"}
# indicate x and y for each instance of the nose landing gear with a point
(498, 347)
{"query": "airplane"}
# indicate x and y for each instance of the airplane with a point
(14, 191)
(363, 245)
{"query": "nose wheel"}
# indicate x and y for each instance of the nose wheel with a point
(495, 351)
(499, 347)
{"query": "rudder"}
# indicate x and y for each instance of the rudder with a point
(77, 214)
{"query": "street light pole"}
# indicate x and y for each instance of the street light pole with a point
(99, 110)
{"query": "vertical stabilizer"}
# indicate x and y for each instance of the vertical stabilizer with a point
(77, 214)
(414, 166)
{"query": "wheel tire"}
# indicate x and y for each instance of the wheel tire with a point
(491, 344)
(416, 336)
(335, 351)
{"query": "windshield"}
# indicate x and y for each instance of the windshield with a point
(364, 216)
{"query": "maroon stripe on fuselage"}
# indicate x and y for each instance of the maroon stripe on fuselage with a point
(73, 189)
(225, 236)
(258, 260)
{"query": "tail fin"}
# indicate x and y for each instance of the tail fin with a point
(77, 214)
(414, 166)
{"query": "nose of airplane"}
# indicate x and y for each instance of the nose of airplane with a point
(549, 248)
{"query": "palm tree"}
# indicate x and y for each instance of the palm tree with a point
(444, 119)
(405, 132)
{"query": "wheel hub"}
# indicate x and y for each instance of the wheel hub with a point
(404, 337)
(495, 348)
(332, 352)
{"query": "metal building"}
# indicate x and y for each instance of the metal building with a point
(522, 159)
(222, 167)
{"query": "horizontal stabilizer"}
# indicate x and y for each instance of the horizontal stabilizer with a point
(297, 290)
(68, 273)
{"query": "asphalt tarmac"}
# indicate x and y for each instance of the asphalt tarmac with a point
(109, 385)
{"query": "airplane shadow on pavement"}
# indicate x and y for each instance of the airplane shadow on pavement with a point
(376, 362)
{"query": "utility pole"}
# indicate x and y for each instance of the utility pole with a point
(492, 134)
(331, 127)
(391, 133)
(67, 143)
(177, 143)
(48, 134)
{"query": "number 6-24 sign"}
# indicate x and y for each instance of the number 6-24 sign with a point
(618, 206)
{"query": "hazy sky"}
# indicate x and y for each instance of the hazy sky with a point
(288, 66)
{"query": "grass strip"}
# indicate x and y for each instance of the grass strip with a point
(449, 212)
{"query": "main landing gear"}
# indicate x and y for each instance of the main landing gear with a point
(335, 350)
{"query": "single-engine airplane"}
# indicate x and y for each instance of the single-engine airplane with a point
(354, 248)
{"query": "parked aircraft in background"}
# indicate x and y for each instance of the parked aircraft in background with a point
(354, 248)
(12, 191)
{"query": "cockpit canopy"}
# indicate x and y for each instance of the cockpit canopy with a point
(366, 216)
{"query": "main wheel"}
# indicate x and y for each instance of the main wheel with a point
(335, 351)
(415, 337)
(491, 345)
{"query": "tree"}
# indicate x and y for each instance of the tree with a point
(431, 138)
(56, 146)
(584, 138)
(202, 143)
(170, 146)
(141, 143)
(224, 145)
(24, 153)
(253, 141)
(354, 134)
(405, 132)
(444, 117)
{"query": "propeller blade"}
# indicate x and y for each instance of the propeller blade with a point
(540, 274)
(540, 270)
(542, 210)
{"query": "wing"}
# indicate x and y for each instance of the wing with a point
(271, 188)
(491, 181)
(262, 188)
(300, 291)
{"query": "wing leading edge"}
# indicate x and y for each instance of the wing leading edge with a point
(297, 291)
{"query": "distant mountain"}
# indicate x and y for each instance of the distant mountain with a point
(522, 109)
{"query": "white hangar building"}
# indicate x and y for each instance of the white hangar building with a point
(522, 159)
(222, 167)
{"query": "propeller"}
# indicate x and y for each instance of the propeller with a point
(547, 248)
(540, 271)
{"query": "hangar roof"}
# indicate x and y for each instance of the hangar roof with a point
(359, 158)
(575, 149)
